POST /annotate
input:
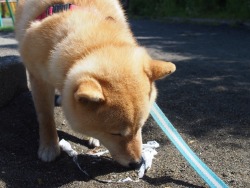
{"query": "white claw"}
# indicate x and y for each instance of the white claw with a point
(94, 142)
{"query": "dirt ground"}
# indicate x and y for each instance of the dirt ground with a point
(207, 99)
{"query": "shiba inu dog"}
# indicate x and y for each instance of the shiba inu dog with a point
(86, 50)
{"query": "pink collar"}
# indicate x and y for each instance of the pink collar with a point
(55, 9)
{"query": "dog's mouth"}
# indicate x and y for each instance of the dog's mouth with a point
(130, 164)
(136, 165)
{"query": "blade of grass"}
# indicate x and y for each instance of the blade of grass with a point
(7, 29)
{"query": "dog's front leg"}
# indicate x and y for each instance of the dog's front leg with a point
(43, 97)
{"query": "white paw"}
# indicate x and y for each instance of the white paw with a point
(94, 142)
(48, 153)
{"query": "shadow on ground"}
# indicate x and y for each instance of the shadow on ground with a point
(20, 166)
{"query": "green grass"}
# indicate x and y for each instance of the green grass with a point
(216, 9)
(7, 29)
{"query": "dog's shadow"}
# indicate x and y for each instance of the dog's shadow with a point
(92, 166)
(99, 168)
(20, 166)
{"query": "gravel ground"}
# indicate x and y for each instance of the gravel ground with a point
(207, 99)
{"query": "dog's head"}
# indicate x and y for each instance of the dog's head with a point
(108, 95)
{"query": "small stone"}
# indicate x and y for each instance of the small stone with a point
(191, 141)
(224, 175)
(40, 181)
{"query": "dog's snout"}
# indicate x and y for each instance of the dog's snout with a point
(135, 165)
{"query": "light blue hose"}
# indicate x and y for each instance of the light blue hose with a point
(205, 172)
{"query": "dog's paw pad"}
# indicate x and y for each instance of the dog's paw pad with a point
(94, 142)
(48, 153)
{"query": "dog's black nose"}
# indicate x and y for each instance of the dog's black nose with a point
(136, 165)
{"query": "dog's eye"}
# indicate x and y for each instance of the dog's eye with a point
(116, 134)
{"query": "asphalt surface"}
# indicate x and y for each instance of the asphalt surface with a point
(207, 99)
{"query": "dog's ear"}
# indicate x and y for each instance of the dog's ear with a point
(160, 69)
(89, 90)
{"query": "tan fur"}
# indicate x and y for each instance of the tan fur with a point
(91, 57)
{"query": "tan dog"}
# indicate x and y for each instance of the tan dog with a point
(106, 80)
